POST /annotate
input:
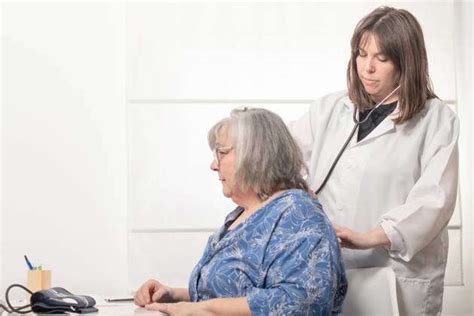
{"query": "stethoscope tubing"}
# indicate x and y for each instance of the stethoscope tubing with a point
(354, 129)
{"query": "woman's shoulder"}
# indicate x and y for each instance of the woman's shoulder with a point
(332, 99)
(437, 124)
(297, 203)
(437, 108)
(299, 196)
(301, 216)
(437, 116)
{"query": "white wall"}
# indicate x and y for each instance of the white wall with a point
(64, 145)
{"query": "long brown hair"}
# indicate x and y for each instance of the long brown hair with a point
(400, 38)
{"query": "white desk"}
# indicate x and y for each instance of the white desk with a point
(121, 309)
(107, 309)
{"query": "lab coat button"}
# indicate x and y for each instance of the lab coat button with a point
(339, 207)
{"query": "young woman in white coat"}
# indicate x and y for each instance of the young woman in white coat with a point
(393, 190)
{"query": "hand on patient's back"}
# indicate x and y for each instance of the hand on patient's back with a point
(351, 239)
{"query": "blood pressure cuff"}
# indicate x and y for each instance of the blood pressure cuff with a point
(58, 300)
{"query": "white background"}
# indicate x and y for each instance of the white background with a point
(105, 109)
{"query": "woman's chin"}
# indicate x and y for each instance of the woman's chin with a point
(227, 193)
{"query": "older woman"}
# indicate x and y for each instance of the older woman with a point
(276, 253)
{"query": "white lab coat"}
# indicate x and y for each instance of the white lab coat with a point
(402, 177)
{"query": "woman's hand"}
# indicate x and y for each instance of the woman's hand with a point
(349, 238)
(153, 291)
(181, 308)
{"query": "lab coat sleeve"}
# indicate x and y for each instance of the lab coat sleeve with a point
(430, 203)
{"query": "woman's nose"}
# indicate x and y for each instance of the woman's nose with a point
(214, 165)
(369, 65)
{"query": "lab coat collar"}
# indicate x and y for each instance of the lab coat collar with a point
(384, 127)
(347, 102)
(387, 125)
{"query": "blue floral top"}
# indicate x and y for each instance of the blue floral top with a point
(284, 258)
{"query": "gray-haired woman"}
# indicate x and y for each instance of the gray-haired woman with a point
(276, 253)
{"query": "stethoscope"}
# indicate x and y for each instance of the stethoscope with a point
(356, 125)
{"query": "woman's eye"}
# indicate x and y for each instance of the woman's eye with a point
(382, 58)
(362, 54)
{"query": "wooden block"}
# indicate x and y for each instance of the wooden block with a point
(39, 280)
